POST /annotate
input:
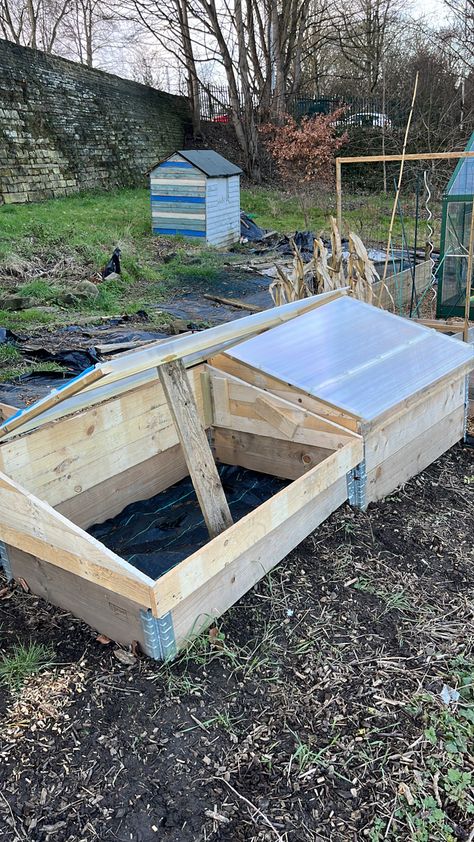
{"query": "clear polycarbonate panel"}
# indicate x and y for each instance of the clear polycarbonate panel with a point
(458, 224)
(463, 183)
(462, 180)
(354, 356)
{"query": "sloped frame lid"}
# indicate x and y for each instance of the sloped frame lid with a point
(355, 357)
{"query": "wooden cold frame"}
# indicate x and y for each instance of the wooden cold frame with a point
(65, 474)
(89, 465)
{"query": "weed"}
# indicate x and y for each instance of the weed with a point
(23, 662)
(9, 354)
(39, 289)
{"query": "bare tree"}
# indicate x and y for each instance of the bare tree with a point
(34, 23)
(363, 28)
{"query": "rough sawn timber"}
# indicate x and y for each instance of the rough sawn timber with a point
(198, 455)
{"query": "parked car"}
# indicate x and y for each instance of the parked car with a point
(372, 119)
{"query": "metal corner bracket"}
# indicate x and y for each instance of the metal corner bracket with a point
(160, 642)
(356, 486)
(5, 561)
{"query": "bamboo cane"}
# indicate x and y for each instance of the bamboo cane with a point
(397, 194)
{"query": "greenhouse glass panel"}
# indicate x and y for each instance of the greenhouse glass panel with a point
(456, 223)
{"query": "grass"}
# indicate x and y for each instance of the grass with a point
(24, 661)
(13, 365)
(46, 248)
(367, 214)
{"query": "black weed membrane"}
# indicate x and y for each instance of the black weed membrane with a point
(156, 534)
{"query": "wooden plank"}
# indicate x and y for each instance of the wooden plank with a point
(201, 465)
(213, 597)
(34, 527)
(140, 482)
(285, 459)
(276, 417)
(399, 409)
(65, 458)
(415, 455)
(396, 431)
(235, 406)
(266, 382)
(109, 613)
(411, 156)
(201, 566)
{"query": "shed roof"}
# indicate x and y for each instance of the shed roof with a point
(209, 162)
(353, 356)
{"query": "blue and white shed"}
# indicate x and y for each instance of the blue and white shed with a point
(196, 193)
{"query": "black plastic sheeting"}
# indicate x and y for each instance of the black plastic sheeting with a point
(156, 534)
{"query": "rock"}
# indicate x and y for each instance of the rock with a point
(86, 289)
(15, 302)
(113, 276)
(67, 299)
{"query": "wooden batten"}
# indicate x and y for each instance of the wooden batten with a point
(195, 446)
(244, 407)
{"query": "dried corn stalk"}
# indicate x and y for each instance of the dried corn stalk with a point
(327, 271)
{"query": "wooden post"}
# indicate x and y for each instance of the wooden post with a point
(339, 195)
(197, 452)
(467, 303)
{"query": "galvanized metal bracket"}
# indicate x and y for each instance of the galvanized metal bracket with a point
(466, 405)
(5, 561)
(356, 486)
(160, 642)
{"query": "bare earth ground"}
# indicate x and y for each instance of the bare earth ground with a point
(312, 714)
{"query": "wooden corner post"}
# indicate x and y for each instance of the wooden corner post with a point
(197, 452)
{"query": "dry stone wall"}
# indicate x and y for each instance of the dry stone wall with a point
(66, 128)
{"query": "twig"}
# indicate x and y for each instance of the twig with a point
(13, 818)
(253, 807)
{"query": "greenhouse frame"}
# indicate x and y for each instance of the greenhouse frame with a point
(455, 228)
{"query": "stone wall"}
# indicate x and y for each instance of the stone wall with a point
(65, 127)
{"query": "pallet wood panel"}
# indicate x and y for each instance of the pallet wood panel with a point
(415, 455)
(241, 406)
(201, 566)
(107, 612)
(280, 458)
(31, 525)
(282, 390)
(199, 608)
(72, 455)
(140, 482)
(195, 446)
(393, 434)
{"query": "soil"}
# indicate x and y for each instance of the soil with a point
(300, 719)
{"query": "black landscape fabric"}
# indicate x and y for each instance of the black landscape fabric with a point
(156, 534)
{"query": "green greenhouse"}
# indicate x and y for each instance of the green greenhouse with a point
(452, 268)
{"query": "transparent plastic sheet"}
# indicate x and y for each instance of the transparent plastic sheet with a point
(356, 357)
